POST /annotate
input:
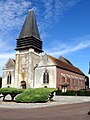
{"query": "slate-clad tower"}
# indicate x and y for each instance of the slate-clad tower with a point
(28, 52)
(29, 36)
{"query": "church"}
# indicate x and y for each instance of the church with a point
(32, 69)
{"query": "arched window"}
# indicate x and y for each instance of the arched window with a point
(9, 79)
(46, 77)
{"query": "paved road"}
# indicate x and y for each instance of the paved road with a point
(62, 112)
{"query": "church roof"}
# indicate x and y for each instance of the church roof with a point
(65, 60)
(66, 66)
(10, 64)
(30, 27)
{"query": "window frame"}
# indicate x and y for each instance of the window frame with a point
(9, 78)
(46, 77)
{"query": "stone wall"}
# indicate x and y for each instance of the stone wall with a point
(45, 64)
(26, 61)
(39, 72)
(5, 75)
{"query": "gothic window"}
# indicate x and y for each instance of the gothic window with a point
(46, 77)
(9, 79)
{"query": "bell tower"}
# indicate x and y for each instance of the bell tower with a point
(28, 52)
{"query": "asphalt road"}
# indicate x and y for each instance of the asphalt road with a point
(61, 112)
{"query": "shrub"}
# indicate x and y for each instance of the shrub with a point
(83, 93)
(34, 95)
(74, 93)
(11, 91)
(58, 92)
(71, 93)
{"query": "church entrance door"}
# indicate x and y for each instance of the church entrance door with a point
(23, 84)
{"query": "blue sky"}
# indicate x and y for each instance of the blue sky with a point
(64, 27)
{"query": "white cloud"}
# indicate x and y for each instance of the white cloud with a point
(12, 13)
(82, 43)
(55, 9)
(51, 11)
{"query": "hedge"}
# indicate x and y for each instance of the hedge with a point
(74, 93)
(33, 95)
(11, 91)
(83, 93)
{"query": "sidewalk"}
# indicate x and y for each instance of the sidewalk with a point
(58, 100)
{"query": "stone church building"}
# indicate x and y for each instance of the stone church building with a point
(32, 69)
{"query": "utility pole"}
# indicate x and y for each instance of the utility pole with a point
(89, 75)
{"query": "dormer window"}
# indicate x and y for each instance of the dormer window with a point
(46, 77)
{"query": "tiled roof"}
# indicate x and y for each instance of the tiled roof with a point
(65, 60)
(66, 66)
